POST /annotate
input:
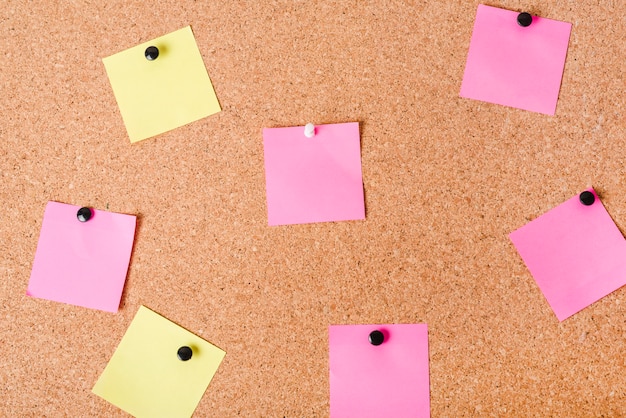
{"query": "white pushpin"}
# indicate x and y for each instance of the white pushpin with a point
(309, 130)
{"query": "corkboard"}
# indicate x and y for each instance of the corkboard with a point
(445, 179)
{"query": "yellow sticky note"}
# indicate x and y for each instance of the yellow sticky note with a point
(166, 93)
(146, 378)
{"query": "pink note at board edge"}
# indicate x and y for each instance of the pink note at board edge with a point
(575, 253)
(82, 263)
(516, 66)
(391, 379)
(315, 179)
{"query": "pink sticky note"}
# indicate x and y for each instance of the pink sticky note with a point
(388, 380)
(575, 253)
(82, 263)
(314, 179)
(515, 66)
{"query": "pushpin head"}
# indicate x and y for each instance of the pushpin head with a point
(587, 198)
(84, 214)
(184, 353)
(152, 52)
(524, 19)
(309, 130)
(376, 337)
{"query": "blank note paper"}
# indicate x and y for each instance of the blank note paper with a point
(515, 66)
(388, 380)
(575, 253)
(160, 95)
(146, 378)
(314, 179)
(82, 263)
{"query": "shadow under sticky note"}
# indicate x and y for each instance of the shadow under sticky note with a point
(316, 179)
(515, 66)
(164, 94)
(82, 263)
(145, 377)
(388, 380)
(575, 253)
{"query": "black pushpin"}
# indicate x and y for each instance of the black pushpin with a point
(184, 353)
(524, 19)
(587, 198)
(376, 337)
(152, 52)
(84, 214)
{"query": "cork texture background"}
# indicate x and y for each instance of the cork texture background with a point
(446, 180)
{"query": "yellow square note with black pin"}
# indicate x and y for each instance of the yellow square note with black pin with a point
(161, 85)
(159, 369)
